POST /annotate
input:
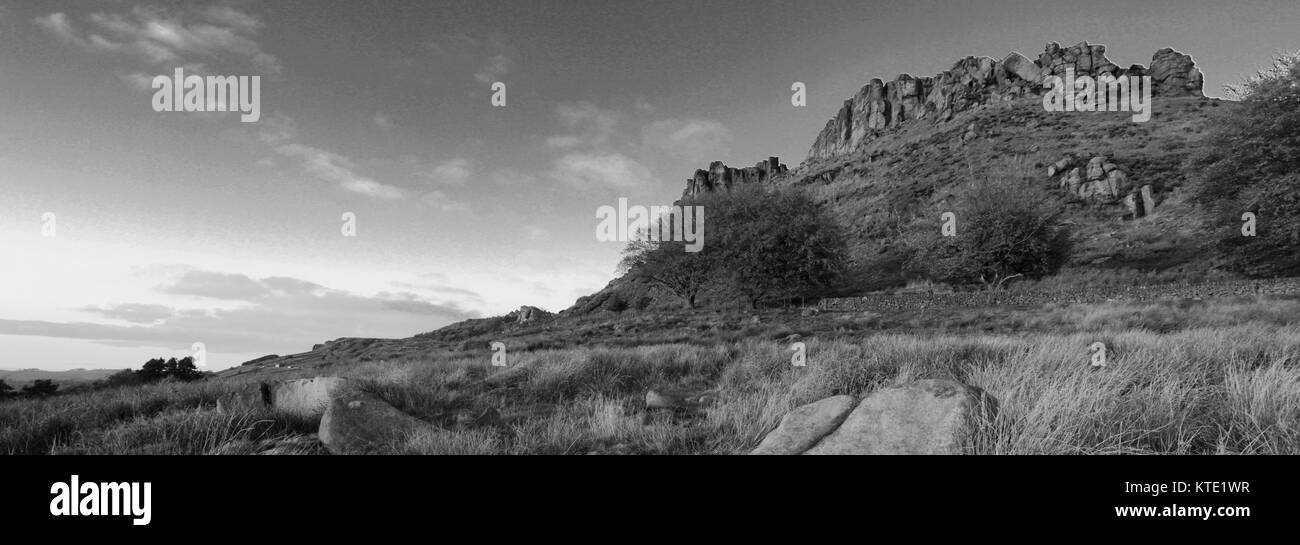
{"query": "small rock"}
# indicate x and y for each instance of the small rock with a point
(679, 401)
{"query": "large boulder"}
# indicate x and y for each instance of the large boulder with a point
(923, 417)
(250, 396)
(804, 426)
(1020, 66)
(306, 398)
(1175, 74)
(360, 423)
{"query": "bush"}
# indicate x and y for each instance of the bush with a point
(41, 388)
(764, 245)
(1004, 230)
(1256, 169)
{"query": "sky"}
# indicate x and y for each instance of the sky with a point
(171, 228)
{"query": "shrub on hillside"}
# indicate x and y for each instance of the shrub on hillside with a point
(41, 388)
(763, 245)
(777, 245)
(1003, 230)
(1255, 168)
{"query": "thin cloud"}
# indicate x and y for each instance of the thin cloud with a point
(496, 68)
(453, 172)
(285, 315)
(512, 177)
(687, 139)
(337, 168)
(613, 170)
(442, 202)
(489, 58)
(168, 37)
(217, 285)
(132, 312)
(586, 124)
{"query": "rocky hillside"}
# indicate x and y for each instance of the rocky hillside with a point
(893, 157)
(897, 152)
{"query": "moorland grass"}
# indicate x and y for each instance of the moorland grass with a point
(1215, 377)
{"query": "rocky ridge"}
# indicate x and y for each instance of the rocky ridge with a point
(721, 177)
(974, 81)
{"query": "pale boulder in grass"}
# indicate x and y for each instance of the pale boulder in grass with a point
(308, 397)
(252, 396)
(923, 417)
(804, 426)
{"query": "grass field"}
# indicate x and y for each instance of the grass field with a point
(1215, 377)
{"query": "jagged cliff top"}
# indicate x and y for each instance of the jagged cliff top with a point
(973, 81)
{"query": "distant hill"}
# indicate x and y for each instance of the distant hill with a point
(19, 377)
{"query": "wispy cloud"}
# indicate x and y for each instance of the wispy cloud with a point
(442, 202)
(278, 314)
(689, 140)
(384, 122)
(585, 125)
(336, 168)
(512, 177)
(181, 37)
(132, 312)
(490, 58)
(281, 134)
(611, 169)
(495, 69)
(453, 172)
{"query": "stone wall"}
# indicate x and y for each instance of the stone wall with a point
(902, 302)
(974, 81)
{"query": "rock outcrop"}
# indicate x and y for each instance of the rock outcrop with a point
(721, 177)
(1095, 178)
(975, 81)
(528, 314)
(923, 417)
(1101, 180)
